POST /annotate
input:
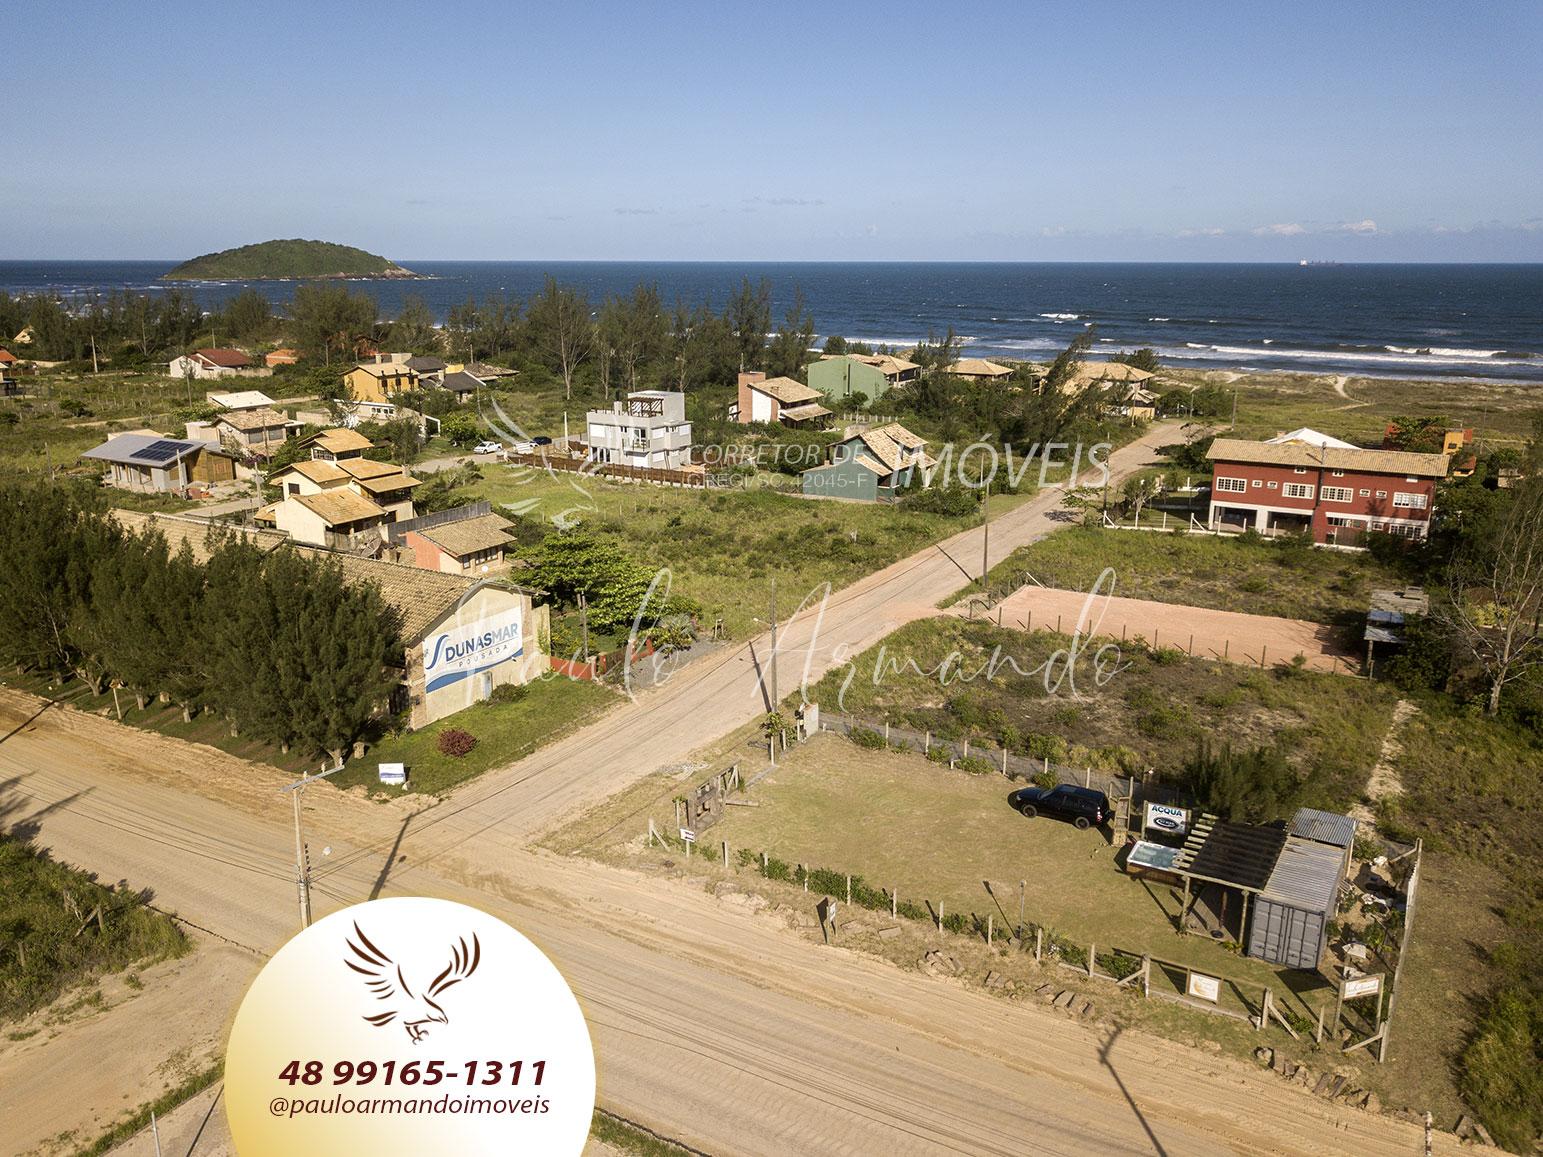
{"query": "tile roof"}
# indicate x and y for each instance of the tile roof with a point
(886, 443)
(425, 364)
(785, 390)
(386, 483)
(470, 535)
(385, 370)
(1328, 457)
(1108, 372)
(979, 368)
(317, 470)
(259, 419)
(368, 468)
(337, 439)
(805, 412)
(461, 382)
(420, 597)
(225, 358)
(338, 507)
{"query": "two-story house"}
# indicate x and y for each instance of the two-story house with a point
(648, 429)
(1336, 491)
(871, 465)
(872, 375)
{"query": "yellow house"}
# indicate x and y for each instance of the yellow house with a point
(379, 382)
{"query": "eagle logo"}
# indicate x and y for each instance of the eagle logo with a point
(383, 977)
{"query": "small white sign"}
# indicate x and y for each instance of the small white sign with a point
(1165, 818)
(393, 773)
(1362, 986)
(688, 835)
(1205, 987)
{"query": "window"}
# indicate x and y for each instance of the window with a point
(1382, 494)
(1300, 470)
(1297, 490)
(1338, 473)
(1404, 530)
(1235, 485)
(1409, 501)
(1366, 493)
(1411, 478)
(1338, 494)
(1379, 526)
(1273, 485)
(1258, 484)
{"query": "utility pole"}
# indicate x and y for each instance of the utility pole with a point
(985, 540)
(1234, 423)
(584, 622)
(302, 857)
(775, 698)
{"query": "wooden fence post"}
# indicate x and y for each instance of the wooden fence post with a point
(849, 891)
(1092, 952)
(765, 863)
(989, 920)
(940, 915)
(1146, 974)
(1318, 1035)
(894, 903)
(725, 853)
(1039, 944)
(927, 743)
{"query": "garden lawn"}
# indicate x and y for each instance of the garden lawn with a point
(550, 708)
(1257, 576)
(723, 548)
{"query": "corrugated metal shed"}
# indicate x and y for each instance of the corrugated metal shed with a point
(1292, 913)
(1324, 827)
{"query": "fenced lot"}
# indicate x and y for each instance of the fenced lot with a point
(937, 836)
(1254, 575)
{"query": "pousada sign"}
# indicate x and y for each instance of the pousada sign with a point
(467, 649)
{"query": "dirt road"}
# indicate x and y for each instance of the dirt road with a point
(1231, 635)
(798, 1048)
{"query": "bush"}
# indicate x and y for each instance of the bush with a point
(975, 765)
(1502, 1068)
(1046, 779)
(455, 742)
(1254, 785)
(937, 753)
(867, 737)
(509, 693)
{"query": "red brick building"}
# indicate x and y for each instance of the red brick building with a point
(1337, 492)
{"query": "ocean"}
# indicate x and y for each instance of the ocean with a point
(1451, 321)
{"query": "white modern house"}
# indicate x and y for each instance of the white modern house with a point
(648, 429)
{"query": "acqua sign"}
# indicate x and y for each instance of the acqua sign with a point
(466, 649)
(1164, 818)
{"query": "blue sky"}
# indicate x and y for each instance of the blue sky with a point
(766, 132)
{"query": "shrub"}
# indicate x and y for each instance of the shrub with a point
(455, 742)
(1502, 1068)
(509, 693)
(867, 737)
(1120, 964)
(1167, 656)
(1046, 779)
(938, 753)
(975, 765)
(1253, 785)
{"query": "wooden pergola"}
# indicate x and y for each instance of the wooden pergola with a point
(1236, 856)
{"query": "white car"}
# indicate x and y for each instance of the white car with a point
(487, 448)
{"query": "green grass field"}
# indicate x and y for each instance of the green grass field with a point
(1255, 576)
(723, 547)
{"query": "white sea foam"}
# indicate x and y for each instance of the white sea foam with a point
(1159, 319)
(1445, 357)
(1061, 316)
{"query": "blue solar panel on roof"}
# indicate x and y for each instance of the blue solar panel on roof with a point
(161, 451)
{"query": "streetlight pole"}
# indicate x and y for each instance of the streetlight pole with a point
(302, 859)
(985, 541)
(775, 698)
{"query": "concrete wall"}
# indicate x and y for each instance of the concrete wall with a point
(487, 606)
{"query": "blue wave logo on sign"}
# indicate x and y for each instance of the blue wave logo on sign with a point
(468, 650)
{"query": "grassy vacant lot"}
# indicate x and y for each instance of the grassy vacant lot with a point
(1152, 714)
(724, 547)
(1269, 404)
(1253, 575)
(837, 806)
(48, 946)
(548, 709)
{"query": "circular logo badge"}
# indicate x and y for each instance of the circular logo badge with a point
(409, 1026)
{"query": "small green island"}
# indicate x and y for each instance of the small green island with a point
(292, 260)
